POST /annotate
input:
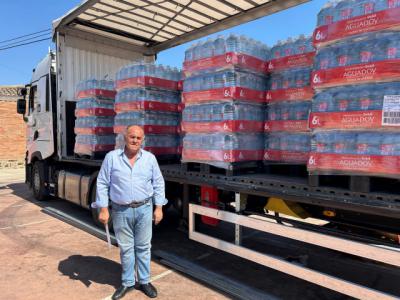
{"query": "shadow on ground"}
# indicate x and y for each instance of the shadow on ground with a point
(89, 269)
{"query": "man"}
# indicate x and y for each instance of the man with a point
(131, 179)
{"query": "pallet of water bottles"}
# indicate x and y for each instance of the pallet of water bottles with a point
(152, 122)
(290, 116)
(132, 99)
(226, 151)
(93, 146)
(231, 52)
(368, 106)
(292, 54)
(224, 85)
(371, 58)
(343, 19)
(289, 148)
(93, 88)
(148, 75)
(370, 153)
(223, 117)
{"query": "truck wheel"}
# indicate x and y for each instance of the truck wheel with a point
(95, 212)
(38, 181)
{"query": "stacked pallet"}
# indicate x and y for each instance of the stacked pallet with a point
(288, 138)
(224, 94)
(94, 118)
(356, 110)
(148, 96)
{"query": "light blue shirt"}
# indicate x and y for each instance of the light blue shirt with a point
(120, 182)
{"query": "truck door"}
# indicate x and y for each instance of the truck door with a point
(40, 143)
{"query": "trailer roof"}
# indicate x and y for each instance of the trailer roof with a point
(158, 25)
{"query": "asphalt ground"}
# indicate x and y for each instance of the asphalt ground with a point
(42, 257)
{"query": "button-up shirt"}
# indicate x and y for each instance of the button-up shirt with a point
(121, 183)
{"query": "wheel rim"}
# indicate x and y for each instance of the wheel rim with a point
(36, 180)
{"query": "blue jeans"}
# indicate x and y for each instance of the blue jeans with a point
(133, 231)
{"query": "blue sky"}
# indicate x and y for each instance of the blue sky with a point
(16, 64)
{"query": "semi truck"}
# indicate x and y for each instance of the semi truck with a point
(100, 36)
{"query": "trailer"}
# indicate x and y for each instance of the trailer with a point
(100, 36)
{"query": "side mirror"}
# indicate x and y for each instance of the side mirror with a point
(21, 106)
(22, 92)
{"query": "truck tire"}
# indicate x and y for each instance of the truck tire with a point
(38, 181)
(94, 211)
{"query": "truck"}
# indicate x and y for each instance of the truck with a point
(100, 36)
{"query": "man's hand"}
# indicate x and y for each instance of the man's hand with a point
(158, 214)
(104, 215)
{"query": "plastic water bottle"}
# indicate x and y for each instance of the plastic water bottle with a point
(189, 53)
(392, 46)
(289, 48)
(344, 10)
(219, 45)
(208, 48)
(389, 3)
(232, 43)
(326, 15)
(326, 58)
(364, 7)
(276, 51)
(323, 101)
(300, 44)
(390, 144)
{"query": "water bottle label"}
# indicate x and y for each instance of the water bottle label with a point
(346, 13)
(316, 79)
(391, 52)
(366, 56)
(315, 121)
(368, 8)
(343, 60)
(393, 3)
(227, 93)
(319, 35)
(266, 156)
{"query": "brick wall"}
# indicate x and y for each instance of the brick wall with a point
(12, 132)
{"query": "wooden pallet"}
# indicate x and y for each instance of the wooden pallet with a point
(353, 183)
(236, 168)
(285, 169)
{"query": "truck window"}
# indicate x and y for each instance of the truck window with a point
(33, 101)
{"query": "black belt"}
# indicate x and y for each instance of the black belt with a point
(136, 204)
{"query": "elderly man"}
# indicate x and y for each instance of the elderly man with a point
(131, 179)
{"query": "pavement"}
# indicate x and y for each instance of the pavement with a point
(42, 257)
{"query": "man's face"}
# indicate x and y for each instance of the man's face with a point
(134, 138)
